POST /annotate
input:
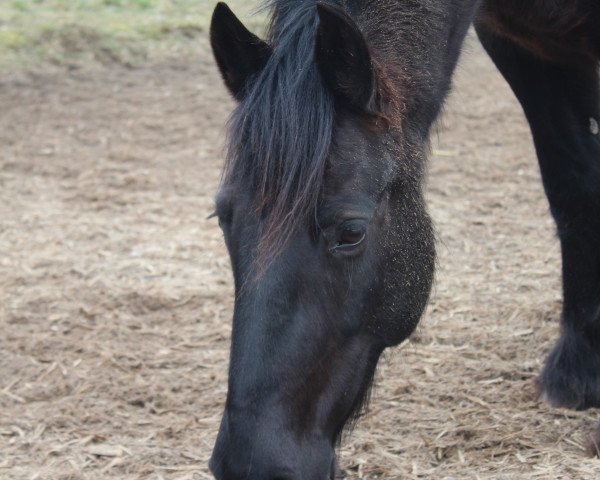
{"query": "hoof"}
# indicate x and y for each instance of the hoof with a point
(571, 375)
(594, 446)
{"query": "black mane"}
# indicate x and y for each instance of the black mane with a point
(281, 132)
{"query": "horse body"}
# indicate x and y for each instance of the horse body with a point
(322, 209)
(549, 29)
(554, 74)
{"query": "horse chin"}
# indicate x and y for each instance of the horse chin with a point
(333, 474)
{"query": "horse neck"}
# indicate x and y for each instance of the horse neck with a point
(416, 43)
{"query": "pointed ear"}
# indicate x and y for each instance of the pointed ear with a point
(343, 57)
(238, 52)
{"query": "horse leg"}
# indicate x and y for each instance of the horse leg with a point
(561, 100)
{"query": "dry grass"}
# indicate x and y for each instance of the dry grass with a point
(115, 292)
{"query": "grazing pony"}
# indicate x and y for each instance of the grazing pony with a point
(322, 209)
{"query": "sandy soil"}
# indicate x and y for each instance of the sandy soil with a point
(115, 291)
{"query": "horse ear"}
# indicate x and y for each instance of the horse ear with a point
(343, 57)
(238, 52)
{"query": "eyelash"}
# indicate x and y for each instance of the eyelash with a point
(355, 232)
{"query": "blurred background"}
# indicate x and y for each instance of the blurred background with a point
(74, 33)
(115, 290)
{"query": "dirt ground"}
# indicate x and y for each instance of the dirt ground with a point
(116, 296)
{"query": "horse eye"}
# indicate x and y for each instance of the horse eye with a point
(352, 235)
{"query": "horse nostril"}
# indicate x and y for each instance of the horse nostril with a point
(285, 475)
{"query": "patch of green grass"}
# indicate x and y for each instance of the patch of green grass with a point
(12, 40)
(122, 31)
(19, 5)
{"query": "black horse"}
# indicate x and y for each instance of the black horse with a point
(322, 208)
